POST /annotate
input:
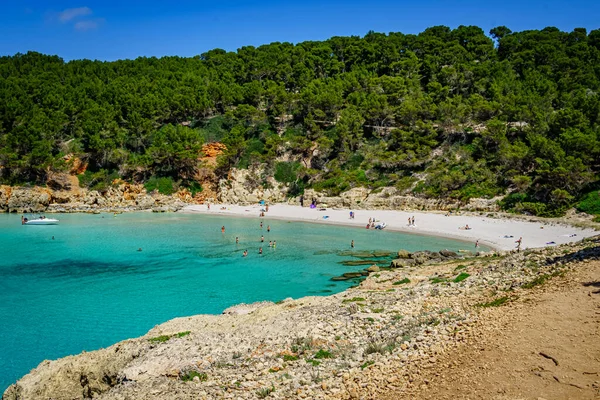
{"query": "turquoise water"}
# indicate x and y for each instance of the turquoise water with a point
(90, 287)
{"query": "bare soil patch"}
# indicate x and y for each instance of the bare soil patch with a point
(542, 346)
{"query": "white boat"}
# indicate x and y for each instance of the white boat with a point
(39, 221)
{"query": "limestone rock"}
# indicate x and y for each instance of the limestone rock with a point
(402, 262)
(448, 253)
(403, 254)
(27, 200)
(58, 181)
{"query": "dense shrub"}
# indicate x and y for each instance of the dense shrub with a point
(590, 203)
(164, 185)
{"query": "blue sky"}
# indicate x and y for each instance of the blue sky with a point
(110, 30)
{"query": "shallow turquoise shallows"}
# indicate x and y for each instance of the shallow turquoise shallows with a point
(83, 284)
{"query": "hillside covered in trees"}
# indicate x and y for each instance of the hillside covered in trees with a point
(445, 113)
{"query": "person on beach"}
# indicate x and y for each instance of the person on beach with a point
(260, 224)
(260, 250)
(237, 240)
(223, 229)
(208, 206)
(413, 221)
(409, 221)
(368, 225)
(477, 243)
(262, 239)
(245, 253)
(268, 228)
(301, 200)
(352, 244)
(518, 242)
(267, 208)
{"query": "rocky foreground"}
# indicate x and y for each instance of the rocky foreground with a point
(367, 342)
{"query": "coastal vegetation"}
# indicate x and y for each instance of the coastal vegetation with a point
(447, 113)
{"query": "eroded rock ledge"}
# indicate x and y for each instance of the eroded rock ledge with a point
(124, 197)
(361, 343)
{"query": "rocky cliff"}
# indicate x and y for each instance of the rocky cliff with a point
(392, 199)
(123, 197)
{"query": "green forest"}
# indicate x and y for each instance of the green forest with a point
(448, 113)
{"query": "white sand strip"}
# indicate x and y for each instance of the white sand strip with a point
(497, 233)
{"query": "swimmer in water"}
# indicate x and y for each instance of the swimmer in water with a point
(245, 253)
(223, 229)
(237, 240)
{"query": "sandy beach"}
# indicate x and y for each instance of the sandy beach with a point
(497, 233)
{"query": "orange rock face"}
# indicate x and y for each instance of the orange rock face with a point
(213, 150)
(77, 166)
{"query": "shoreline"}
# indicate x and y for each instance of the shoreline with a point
(496, 233)
(373, 341)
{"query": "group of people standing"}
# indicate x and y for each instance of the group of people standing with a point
(272, 243)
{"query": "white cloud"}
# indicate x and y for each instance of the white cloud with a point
(87, 25)
(72, 13)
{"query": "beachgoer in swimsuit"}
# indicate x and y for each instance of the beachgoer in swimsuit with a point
(223, 229)
(270, 243)
(274, 243)
(262, 239)
(268, 228)
(245, 253)
(260, 224)
(237, 240)
(352, 244)
(260, 250)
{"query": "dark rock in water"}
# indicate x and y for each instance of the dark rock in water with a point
(363, 254)
(339, 278)
(353, 274)
(448, 253)
(379, 254)
(402, 262)
(403, 254)
(354, 263)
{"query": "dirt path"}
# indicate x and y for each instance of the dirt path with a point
(545, 345)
